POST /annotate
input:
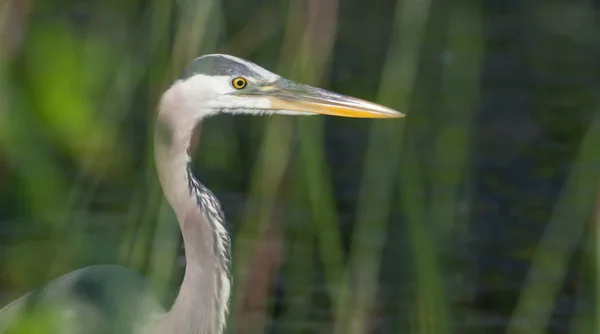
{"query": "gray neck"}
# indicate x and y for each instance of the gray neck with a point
(202, 303)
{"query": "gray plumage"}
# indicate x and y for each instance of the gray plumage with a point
(224, 65)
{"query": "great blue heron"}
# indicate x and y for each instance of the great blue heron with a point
(113, 299)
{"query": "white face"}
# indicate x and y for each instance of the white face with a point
(224, 97)
(210, 95)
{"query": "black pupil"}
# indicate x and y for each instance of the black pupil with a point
(239, 83)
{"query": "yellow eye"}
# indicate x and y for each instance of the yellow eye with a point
(239, 83)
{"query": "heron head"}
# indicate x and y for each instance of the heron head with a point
(218, 83)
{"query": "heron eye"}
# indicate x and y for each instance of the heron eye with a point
(239, 83)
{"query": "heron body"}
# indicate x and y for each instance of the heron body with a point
(113, 299)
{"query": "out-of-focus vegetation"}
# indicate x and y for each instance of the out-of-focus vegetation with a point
(476, 213)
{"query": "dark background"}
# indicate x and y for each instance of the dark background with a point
(475, 213)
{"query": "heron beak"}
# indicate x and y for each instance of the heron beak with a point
(288, 95)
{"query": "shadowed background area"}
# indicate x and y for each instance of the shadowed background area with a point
(478, 212)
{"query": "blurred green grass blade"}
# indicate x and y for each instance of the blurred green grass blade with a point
(322, 205)
(165, 250)
(136, 210)
(370, 232)
(460, 102)
(559, 241)
(460, 81)
(267, 175)
(162, 14)
(141, 220)
(583, 320)
(197, 32)
(430, 311)
(310, 66)
(596, 259)
(299, 260)
(397, 88)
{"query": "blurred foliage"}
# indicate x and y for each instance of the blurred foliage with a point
(474, 213)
